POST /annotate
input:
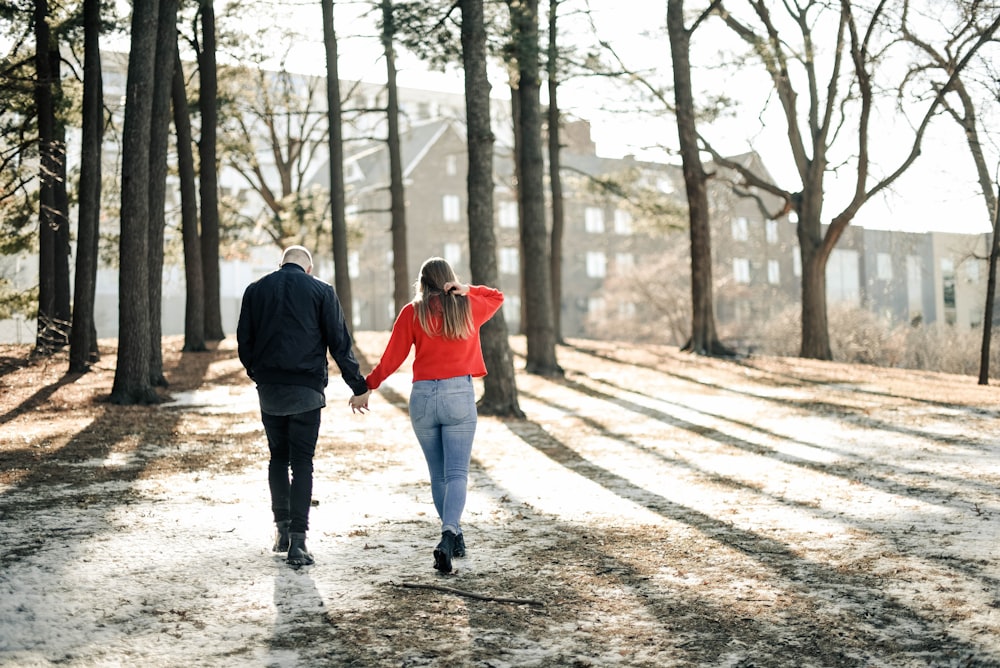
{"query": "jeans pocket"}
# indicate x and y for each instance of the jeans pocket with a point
(458, 407)
(418, 406)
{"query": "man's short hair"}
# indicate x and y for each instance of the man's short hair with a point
(299, 255)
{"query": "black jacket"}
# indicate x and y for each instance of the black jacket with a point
(288, 321)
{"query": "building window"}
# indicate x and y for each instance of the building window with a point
(773, 272)
(593, 219)
(741, 229)
(972, 271)
(512, 308)
(508, 260)
(843, 277)
(354, 263)
(453, 254)
(597, 264)
(948, 282)
(796, 263)
(623, 222)
(508, 214)
(452, 208)
(883, 266)
(356, 306)
(595, 306)
(741, 270)
(914, 286)
(451, 165)
(665, 185)
(624, 262)
(771, 231)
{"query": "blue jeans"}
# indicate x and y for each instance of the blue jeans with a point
(292, 442)
(443, 415)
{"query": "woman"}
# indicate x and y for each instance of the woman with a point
(442, 324)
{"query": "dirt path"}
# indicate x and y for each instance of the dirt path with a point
(654, 509)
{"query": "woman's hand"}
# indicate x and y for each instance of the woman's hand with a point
(359, 402)
(455, 288)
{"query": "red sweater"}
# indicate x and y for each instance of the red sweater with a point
(437, 357)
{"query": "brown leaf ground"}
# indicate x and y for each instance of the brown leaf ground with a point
(653, 509)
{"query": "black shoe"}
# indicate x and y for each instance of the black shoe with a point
(444, 552)
(298, 555)
(281, 536)
(459, 550)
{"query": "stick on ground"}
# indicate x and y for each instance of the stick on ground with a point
(469, 594)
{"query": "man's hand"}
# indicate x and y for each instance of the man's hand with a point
(359, 402)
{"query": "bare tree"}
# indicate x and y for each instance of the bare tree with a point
(704, 339)
(273, 135)
(847, 101)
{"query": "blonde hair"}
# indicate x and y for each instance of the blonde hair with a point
(440, 314)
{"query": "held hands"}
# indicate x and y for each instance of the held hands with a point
(455, 288)
(359, 402)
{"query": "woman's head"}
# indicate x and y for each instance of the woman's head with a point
(434, 273)
(441, 314)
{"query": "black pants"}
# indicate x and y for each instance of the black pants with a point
(292, 442)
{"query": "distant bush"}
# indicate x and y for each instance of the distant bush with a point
(858, 336)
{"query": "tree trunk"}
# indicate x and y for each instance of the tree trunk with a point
(815, 330)
(539, 330)
(53, 315)
(703, 339)
(397, 197)
(342, 276)
(209, 174)
(991, 291)
(131, 385)
(194, 283)
(83, 336)
(159, 133)
(555, 178)
(499, 386)
(63, 313)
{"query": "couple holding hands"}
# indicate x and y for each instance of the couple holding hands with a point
(290, 320)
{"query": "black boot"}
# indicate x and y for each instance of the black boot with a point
(459, 550)
(444, 552)
(281, 536)
(298, 555)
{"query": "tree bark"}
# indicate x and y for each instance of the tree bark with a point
(555, 177)
(537, 295)
(499, 386)
(194, 283)
(131, 384)
(209, 174)
(704, 340)
(342, 276)
(52, 321)
(83, 351)
(991, 291)
(397, 196)
(159, 132)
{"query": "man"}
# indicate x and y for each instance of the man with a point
(288, 321)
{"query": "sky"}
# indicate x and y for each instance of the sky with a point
(939, 192)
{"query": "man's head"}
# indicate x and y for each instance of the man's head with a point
(297, 255)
